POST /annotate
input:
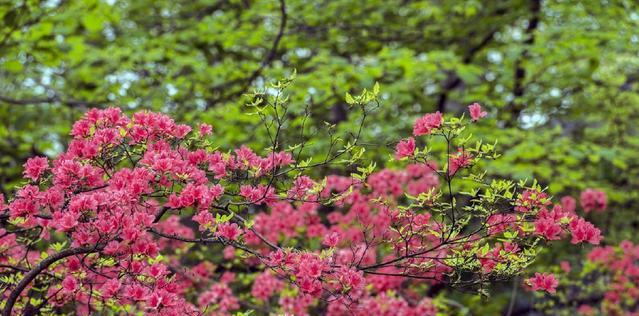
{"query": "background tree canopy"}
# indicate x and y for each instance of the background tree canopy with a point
(560, 78)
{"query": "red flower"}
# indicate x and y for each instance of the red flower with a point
(461, 160)
(584, 231)
(110, 288)
(544, 281)
(301, 186)
(548, 228)
(265, 285)
(34, 167)
(331, 240)
(69, 284)
(568, 203)
(593, 200)
(205, 129)
(405, 148)
(475, 112)
(531, 199)
(228, 230)
(427, 123)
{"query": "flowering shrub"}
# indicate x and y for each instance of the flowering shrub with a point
(604, 284)
(593, 200)
(142, 214)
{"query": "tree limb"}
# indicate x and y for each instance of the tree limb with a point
(43, 265)
(514, 107)
(268, 59)
(454, 80)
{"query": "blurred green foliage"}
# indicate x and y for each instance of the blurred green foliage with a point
(559, 78)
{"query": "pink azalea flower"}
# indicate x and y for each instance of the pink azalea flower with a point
(69, 284)
(205, 129)
(531, 199)
(228, 230)
(300, 187)
(331, 239)
(34, 167)
(427, 123)
(110, 288)
(461, 160)
(544, 281)
(584, 231)
(593, 200)
(548, 228)
(265, 286)
(405, 148)
(568, 203)
(475, 112)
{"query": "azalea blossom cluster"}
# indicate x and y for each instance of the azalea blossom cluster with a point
(544, 282)
(622, 265)
(605, 283)
(593, 200)
(142, 214)
(369, 221)
(550, 224)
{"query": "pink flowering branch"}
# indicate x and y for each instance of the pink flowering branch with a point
(39, 268)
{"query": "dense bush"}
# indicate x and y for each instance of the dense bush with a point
(144, 214)
(557, 81)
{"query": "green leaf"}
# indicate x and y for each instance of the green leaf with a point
(93, 22)
(13, 66)
(349, 99)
